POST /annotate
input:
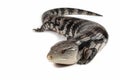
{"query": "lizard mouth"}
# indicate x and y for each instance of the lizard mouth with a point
(60, 61)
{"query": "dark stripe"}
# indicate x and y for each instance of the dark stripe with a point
(90, 34)
(62, 11)
(44, 17)
(64, 23)
(98, 29)
(99, 40)
(87, 34)
(92, 13)
(68, 26)
(89, 13)
(80, 23)
(80, 11)
(70, 10)
(84, 44)
(56, 10)
(74, 28)
(52, 11)
(57, 21)
(94, 52)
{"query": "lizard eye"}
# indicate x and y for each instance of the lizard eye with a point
(63, 51)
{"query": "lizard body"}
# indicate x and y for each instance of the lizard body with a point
(84, 38)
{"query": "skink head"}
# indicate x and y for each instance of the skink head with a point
(65, 52)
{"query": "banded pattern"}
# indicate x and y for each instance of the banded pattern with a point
(84, 38)
(67, 11)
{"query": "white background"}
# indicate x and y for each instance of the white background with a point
(23, 52)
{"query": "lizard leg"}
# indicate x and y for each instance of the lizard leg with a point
(45, 27)
(88, 55)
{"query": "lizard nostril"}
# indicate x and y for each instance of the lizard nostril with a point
(49, 57)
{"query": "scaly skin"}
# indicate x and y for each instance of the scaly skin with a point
(84, 38)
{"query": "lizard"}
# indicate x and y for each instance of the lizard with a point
(84, 38)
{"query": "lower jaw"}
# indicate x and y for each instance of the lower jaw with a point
(64, 63)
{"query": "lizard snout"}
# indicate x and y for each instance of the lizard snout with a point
(49, 57)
